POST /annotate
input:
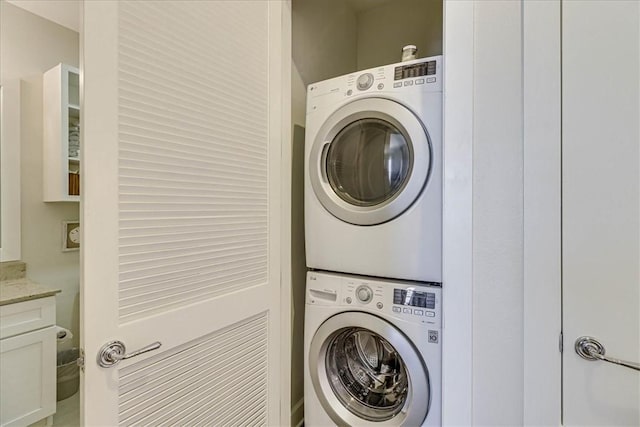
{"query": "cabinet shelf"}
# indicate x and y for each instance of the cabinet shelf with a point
(61, 114)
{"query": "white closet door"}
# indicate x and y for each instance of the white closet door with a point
(181, 206)
(601, 210)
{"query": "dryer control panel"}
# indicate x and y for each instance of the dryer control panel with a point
(416, 302)
(418, 75)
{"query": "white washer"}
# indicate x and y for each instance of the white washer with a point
(373, 181)
(372, 352)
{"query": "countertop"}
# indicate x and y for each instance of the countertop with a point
(23, 289)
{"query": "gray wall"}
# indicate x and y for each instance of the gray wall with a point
(384, 30)
(324, 39)
(30, 46)
(298, 260)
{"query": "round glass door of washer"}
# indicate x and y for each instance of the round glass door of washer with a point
(370, 161)
(368, 374)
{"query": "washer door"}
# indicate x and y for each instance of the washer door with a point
(370, 161)
(366, 372)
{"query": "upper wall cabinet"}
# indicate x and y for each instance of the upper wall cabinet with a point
(61, 134)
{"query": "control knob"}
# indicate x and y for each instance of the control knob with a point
(365, 81)
(364, 294)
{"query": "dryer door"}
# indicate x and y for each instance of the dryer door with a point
(366, 372)
(369, 161)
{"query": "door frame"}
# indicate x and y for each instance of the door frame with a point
(284, 132)
(541, 103)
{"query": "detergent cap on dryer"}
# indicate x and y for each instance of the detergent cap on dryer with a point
(409, 52)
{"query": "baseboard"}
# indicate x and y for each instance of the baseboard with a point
(297, 413)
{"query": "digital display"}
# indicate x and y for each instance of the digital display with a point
(415, 70)
(414, 298)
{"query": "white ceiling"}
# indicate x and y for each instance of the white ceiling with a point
(63, 12)
(362, 5)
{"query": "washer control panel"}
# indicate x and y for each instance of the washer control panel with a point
(410, 301)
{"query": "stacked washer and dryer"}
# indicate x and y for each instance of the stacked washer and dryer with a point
(373, 213)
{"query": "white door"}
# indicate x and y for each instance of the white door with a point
(181, 210)
(601, 208)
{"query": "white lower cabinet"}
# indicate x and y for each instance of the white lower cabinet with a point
(28, 373)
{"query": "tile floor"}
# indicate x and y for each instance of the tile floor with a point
(68, 412)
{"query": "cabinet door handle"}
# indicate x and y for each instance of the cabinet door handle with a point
(114, 351)
(590, 349)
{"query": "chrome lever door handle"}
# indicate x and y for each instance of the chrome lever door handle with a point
(114, 351)
(590, 349)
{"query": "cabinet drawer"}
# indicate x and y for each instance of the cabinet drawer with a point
(28, 370)
(27, 316)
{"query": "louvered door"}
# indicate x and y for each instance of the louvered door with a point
(181, 211)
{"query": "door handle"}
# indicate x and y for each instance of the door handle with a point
(114, 351)
(323, 161)
(590, 349)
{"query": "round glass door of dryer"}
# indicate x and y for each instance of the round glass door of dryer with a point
(370, 161)
(366, 372)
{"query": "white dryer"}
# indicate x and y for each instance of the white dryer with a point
(372, 352)
(373, 181)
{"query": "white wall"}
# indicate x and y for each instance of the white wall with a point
(498, 215)
(384, 30)
(30, 46)
(483, 227)
(542, 212)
